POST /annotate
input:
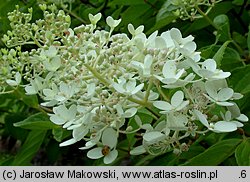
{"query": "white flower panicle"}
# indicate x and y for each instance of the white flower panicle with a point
(98, 83)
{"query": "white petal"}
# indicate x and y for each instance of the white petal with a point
(137, 64)
(18, 78)
(138, 150)
(158, 77)
(179, 74)
(169, 69)
(169, 41)
(225, 93)
(130, 85)
(209, 64)
(11, 83)
(95, 153)
(57, 120)
(224, 126)
(138, 120)
(110, 157)
(177, 122)
(110, 21)
(80, 132)
(238, 124)
(147, 127)
(131, 29)
(72, 112)
(109, 137)
(228, 116)
(137, 89)
(139, 29)
(221, 75)
(147, 64)
(242, 118)
(176, 35)
(62, 111)
(162, 105)
(177, 98)
(201, 118)
(153, 136)
(237, 96)
(30, 90)
(130, 112)
(88, 145)
(205, 73)
(68, 142)
(152, 37)
(234, 110)
(182, 105)
(211, 90)
(118, 88)
(168, 80)
(190, 46)
(225, 103)
(160, 43)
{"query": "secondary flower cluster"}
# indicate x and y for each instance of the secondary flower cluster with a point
(99, 84)
(190, 9)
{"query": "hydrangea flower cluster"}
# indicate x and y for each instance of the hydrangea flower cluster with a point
(98, 83)
(190, 9)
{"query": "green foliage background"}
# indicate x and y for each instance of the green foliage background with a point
(27, 137)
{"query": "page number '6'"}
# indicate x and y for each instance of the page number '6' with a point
(243, 174)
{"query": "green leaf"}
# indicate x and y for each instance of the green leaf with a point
(29, 148)
(240, 79)
(133, 14)
(238, 2)
(6, 159)
(215, 154)
(38, 121)
(17, 133)
(207, 51)
(29, 100)
(219, 54)
(231, 60)
(242, 153)
(126, 2)
(168, 159)
(193, 151)
(164, 17)
(222, 22)
(60, 134)
(240, 39)
(248, 38)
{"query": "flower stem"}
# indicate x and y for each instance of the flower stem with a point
(107, 84)
(148, 89)
(97, 75)
(207, 18)
(161, 92)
